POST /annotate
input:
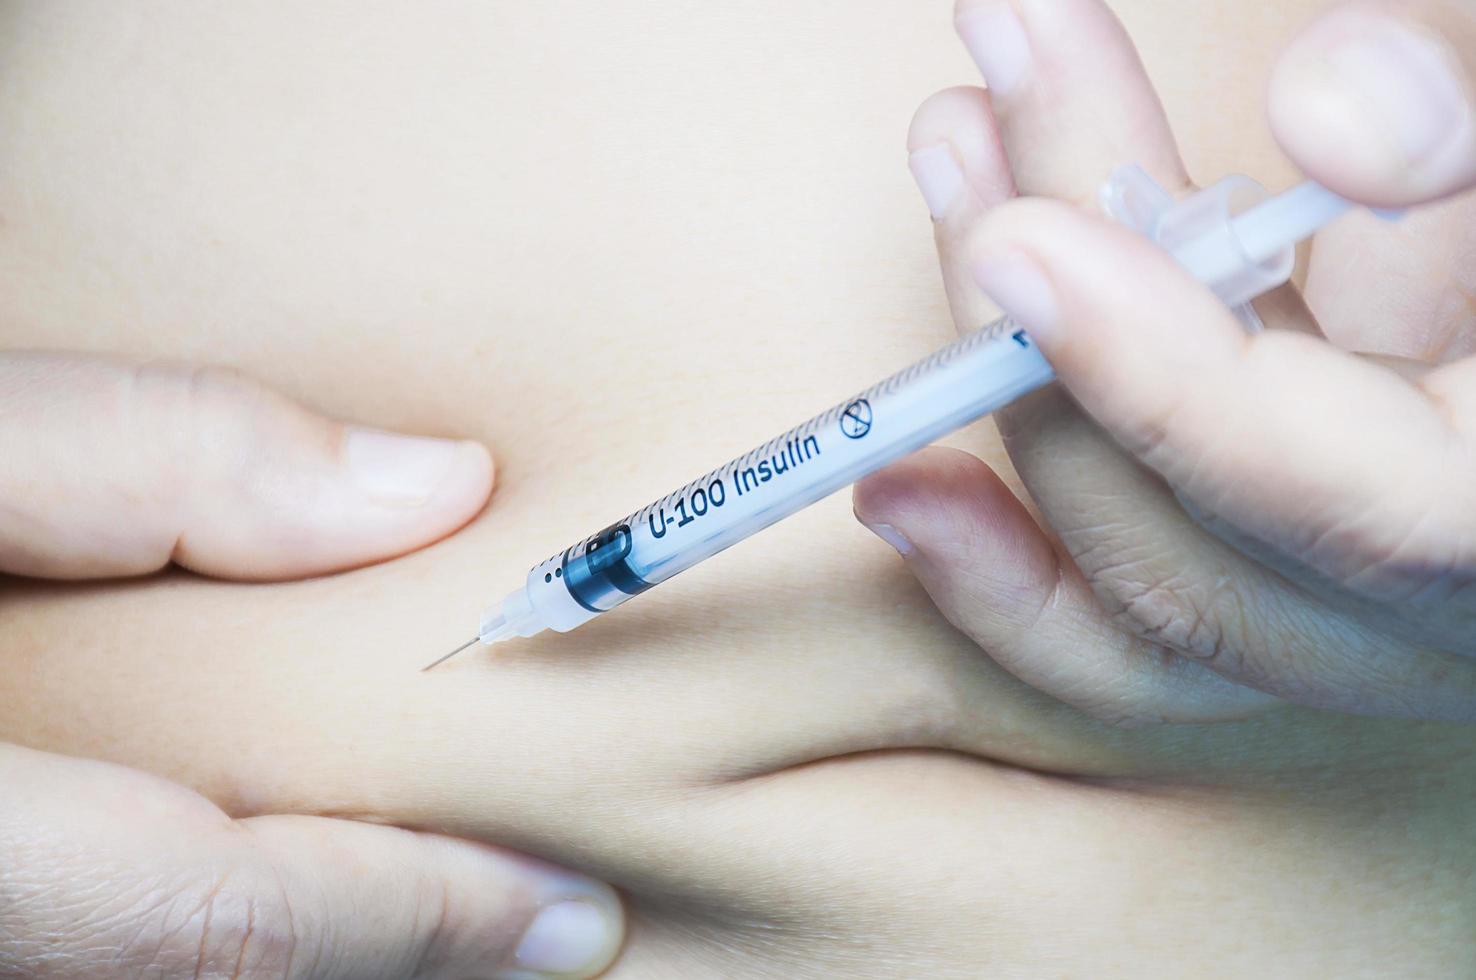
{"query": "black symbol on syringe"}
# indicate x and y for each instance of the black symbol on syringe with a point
(855, 420)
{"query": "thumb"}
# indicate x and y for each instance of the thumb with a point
(1377, 100)
(114, 468)
(109, 872)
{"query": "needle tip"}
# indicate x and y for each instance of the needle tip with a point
(438, 662)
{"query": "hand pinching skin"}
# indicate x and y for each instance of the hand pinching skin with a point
(118, 468)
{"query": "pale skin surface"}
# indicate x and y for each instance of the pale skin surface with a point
(390, 220)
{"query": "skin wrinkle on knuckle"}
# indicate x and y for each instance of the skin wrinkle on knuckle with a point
(1165, 610)
(1298, 670)
(48, 928)
(1180, 612)
(229, 411)
(1096, 546)
(431, 942)
(238, 928)
(154, 414)
(30, 932)
(1005, 635)
(294, 921)
(177, 394)
(121, 914)
(187, 414)
(1006, 644)
(235, 432)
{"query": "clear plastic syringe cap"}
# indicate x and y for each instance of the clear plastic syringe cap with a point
(1201, 232)
(1232, 235)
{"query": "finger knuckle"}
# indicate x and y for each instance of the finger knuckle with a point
(52, 927)
(237, 926)
(251, 937)
(183, 408)
(228, 408)
(1171, 612)
(173, 388)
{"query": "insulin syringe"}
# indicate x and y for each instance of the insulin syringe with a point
(1230, 235)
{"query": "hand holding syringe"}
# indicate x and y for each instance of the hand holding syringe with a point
(1235, 243)
(1232, 522)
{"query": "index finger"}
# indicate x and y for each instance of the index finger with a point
(1339, 462)
(114, 468)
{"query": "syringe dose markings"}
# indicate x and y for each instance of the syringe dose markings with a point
(748, 474)
(798, 446)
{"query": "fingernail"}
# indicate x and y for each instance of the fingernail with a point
(891, 536)
(938, 176)
(1020, 288)
(1407, 79)
(570, 937)
(397, 469)
(997, 42)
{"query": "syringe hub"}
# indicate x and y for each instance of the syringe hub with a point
(514, 617)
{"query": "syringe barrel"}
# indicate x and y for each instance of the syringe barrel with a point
(970, 378)
(1238, 253)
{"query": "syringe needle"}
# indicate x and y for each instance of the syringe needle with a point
(450, 655)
